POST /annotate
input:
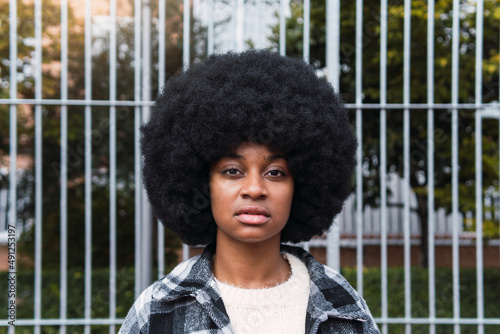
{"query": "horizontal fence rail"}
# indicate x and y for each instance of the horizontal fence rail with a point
(367, 106)
(75, 222)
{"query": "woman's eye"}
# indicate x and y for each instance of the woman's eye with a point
(235, 172)
(276, 172)
(231, 171)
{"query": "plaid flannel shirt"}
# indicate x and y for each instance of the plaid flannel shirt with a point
(187, 301)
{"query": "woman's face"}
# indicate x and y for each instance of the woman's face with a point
(251, 193)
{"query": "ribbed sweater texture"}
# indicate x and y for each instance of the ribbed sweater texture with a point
(274, 310)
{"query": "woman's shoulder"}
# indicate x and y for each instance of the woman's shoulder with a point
(332, 293)
(170, 287)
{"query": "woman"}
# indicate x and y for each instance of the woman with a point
(245, 152)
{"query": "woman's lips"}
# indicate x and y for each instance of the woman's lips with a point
(253, 214)
(252, 219)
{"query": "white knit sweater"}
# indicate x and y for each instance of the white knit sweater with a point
(279, 309)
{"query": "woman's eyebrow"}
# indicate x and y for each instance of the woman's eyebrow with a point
(232, 155)
(275, 157)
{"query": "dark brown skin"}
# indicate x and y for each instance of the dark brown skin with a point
(247, 252)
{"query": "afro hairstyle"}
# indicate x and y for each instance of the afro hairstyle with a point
(233, 98)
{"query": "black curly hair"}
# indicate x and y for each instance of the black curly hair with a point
(237, 97)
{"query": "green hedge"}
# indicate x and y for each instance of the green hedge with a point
(371, 278)
(420, 296)
(76, 297)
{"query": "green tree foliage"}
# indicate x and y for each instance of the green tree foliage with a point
(418, 91)
(76, 123)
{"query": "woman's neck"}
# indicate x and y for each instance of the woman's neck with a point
(250, 265)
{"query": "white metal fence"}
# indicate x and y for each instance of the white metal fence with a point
(240, 24)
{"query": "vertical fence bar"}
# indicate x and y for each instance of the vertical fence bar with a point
(333, 42)
(13, 138)
(406, 219)
(359, 133)
(64, 164)
(259, 24)
(147, 214)
(139, 285)
(455, 230)
(306, 55)
(112, 166)
(359, 202)
(430, 165)
(38, 166)
(383, 162)
(186, 50)
(161, 44)
(306, 31)
(479, 220)
(406, 185)
(430, 218)
(210, 33)
(185, 66)
(383, 216)
(240, 23)
(332, 248)
(479, 181)
(282, 28)
(454, 166)
(185, 252)
(88, 164)
(333, 69)
(234, 22)
(161, 82)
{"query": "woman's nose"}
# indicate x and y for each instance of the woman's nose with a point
(254, 186)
